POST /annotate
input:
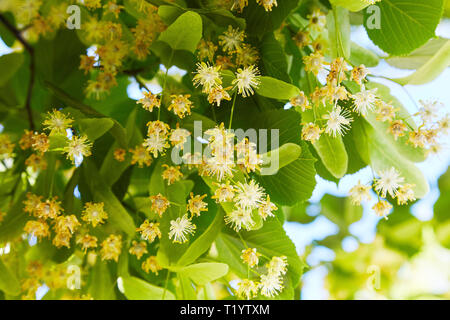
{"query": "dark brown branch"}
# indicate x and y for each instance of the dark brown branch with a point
(30, 50)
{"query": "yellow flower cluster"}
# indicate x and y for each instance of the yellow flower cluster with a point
(389, 182)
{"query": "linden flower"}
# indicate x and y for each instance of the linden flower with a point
(26, 140)
(224, 192)
(158, 127)
(429, 110)
(444, 124)
(338, 121)
(364, 101)
(405, 193)
(277, 266)
(93, 213)
(62, 240)
(39, 229)
(156, 143)
(385, 111)
(87, 63)
(246, 80)
(311, 132)
(397, 128)
(181, 105)
(382, 208)
(270, 285)
(388, 182)
(300, 101)
(231, 39)
(149, 230)
(171, 174)
(36, 162)
(266, 208)
(87, 242)
(250, 257)
(151, 264)
(113, 7)
(206, 50)
(50, 209)
(314, 62)
(40, 142)
(317, 20)
(92, 4)
(417, 138)
(179, 228)
(248, 195)
(247, 289)
(196, 205)
(217, 94)
(138, 249)
(359, 74)
(239, 5)
(119, 154)
(159, 204)
(178, 137)
(141, 156)
(57, 122)
(207, 76)
(267, 4)
(220, 166)
(359, 192)
(31, 204)
(335, 93)
(66, 224)
(246, 55)
(111, 248)
(149, 101)
(6, 146)
(78, 147)
(240, 218)
(224, 62)
(2, 216)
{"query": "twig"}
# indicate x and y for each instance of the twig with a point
(30, 50)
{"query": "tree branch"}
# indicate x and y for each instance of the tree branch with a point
(30, 50)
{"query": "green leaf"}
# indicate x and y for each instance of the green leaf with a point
(117, 131)
(202, 273)
(294, 182)
(185, 289)
(431, 69)
(9, 64)
(352, 5)
(138, 289)
(340, 210)
(282, 156)
(405, 25)
(383, 155)
(271, 240)
(418, 57)
(360, 55)
(184, 33)
(339, 32)
(330, 150)
(102, 285)
(276, 89)
(111, 169)
(203, 242)
(259, 21)
(8, 281)
(95, 128)
(14, 222)
(273, 58)
(401, 144)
